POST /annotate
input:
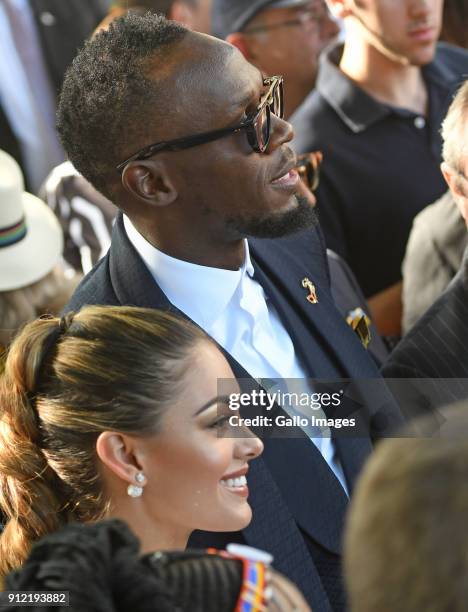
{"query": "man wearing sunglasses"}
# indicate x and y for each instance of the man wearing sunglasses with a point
(278, 36)
(187, 139)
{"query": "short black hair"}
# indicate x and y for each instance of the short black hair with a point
(107, 95)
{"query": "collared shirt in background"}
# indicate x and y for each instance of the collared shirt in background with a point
(381, 163)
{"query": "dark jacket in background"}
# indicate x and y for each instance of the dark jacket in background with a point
(435, 350)
(63, 26)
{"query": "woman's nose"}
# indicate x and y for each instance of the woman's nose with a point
(250, 447)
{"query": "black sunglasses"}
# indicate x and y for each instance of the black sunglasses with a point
(257, 127)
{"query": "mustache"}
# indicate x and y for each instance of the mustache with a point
(289, 157)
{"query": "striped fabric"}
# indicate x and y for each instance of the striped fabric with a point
(436, 348)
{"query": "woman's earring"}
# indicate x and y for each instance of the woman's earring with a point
(137, 490)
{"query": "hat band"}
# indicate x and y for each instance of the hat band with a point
(13, 234)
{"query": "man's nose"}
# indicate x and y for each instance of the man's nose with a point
(281, 131)
(419, 9)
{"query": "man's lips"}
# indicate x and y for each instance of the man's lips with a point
(289, 179)
(422, 33)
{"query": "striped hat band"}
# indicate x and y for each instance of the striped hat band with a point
(13, 234)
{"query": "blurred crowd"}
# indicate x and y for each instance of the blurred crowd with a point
(268, 193)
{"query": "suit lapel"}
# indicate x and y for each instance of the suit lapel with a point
(331, 354)
(131, 280)
(327, 348)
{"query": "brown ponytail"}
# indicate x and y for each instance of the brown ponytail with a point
(28, 485)
(64, 382)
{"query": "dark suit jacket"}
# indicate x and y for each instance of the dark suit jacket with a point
(435, 350)
(297, 503)
(74, 21)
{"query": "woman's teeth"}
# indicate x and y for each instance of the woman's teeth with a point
(240, 481)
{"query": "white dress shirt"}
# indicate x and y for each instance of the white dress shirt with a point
(232, 308)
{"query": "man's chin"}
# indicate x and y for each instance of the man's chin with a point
(297, 218)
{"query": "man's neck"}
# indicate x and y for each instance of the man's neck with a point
(388, 80)
(203, 250)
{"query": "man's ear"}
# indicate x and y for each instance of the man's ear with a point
(453, 181)
(117, 454)
(148, 181)
(237, 39)
(451, 178)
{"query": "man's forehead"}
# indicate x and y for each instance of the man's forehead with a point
(220, 59)
(204, 66)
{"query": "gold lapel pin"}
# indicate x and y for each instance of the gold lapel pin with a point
(360, 324)
(312, 297)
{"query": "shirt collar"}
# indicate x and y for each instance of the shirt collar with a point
(201, 292)
(354, 106)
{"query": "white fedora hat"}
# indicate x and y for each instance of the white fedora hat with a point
(31, 239)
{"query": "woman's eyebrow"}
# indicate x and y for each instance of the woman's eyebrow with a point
(219, 399)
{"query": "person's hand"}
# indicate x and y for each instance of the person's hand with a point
(284, 595)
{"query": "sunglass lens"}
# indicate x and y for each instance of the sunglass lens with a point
(277, 107)
(262, 129)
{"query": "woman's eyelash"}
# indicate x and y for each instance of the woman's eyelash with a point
(220, 421)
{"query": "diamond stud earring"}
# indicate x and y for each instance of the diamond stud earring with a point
(134, 491)
(137, 490)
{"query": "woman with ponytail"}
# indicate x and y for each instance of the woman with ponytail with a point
(115, 413)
